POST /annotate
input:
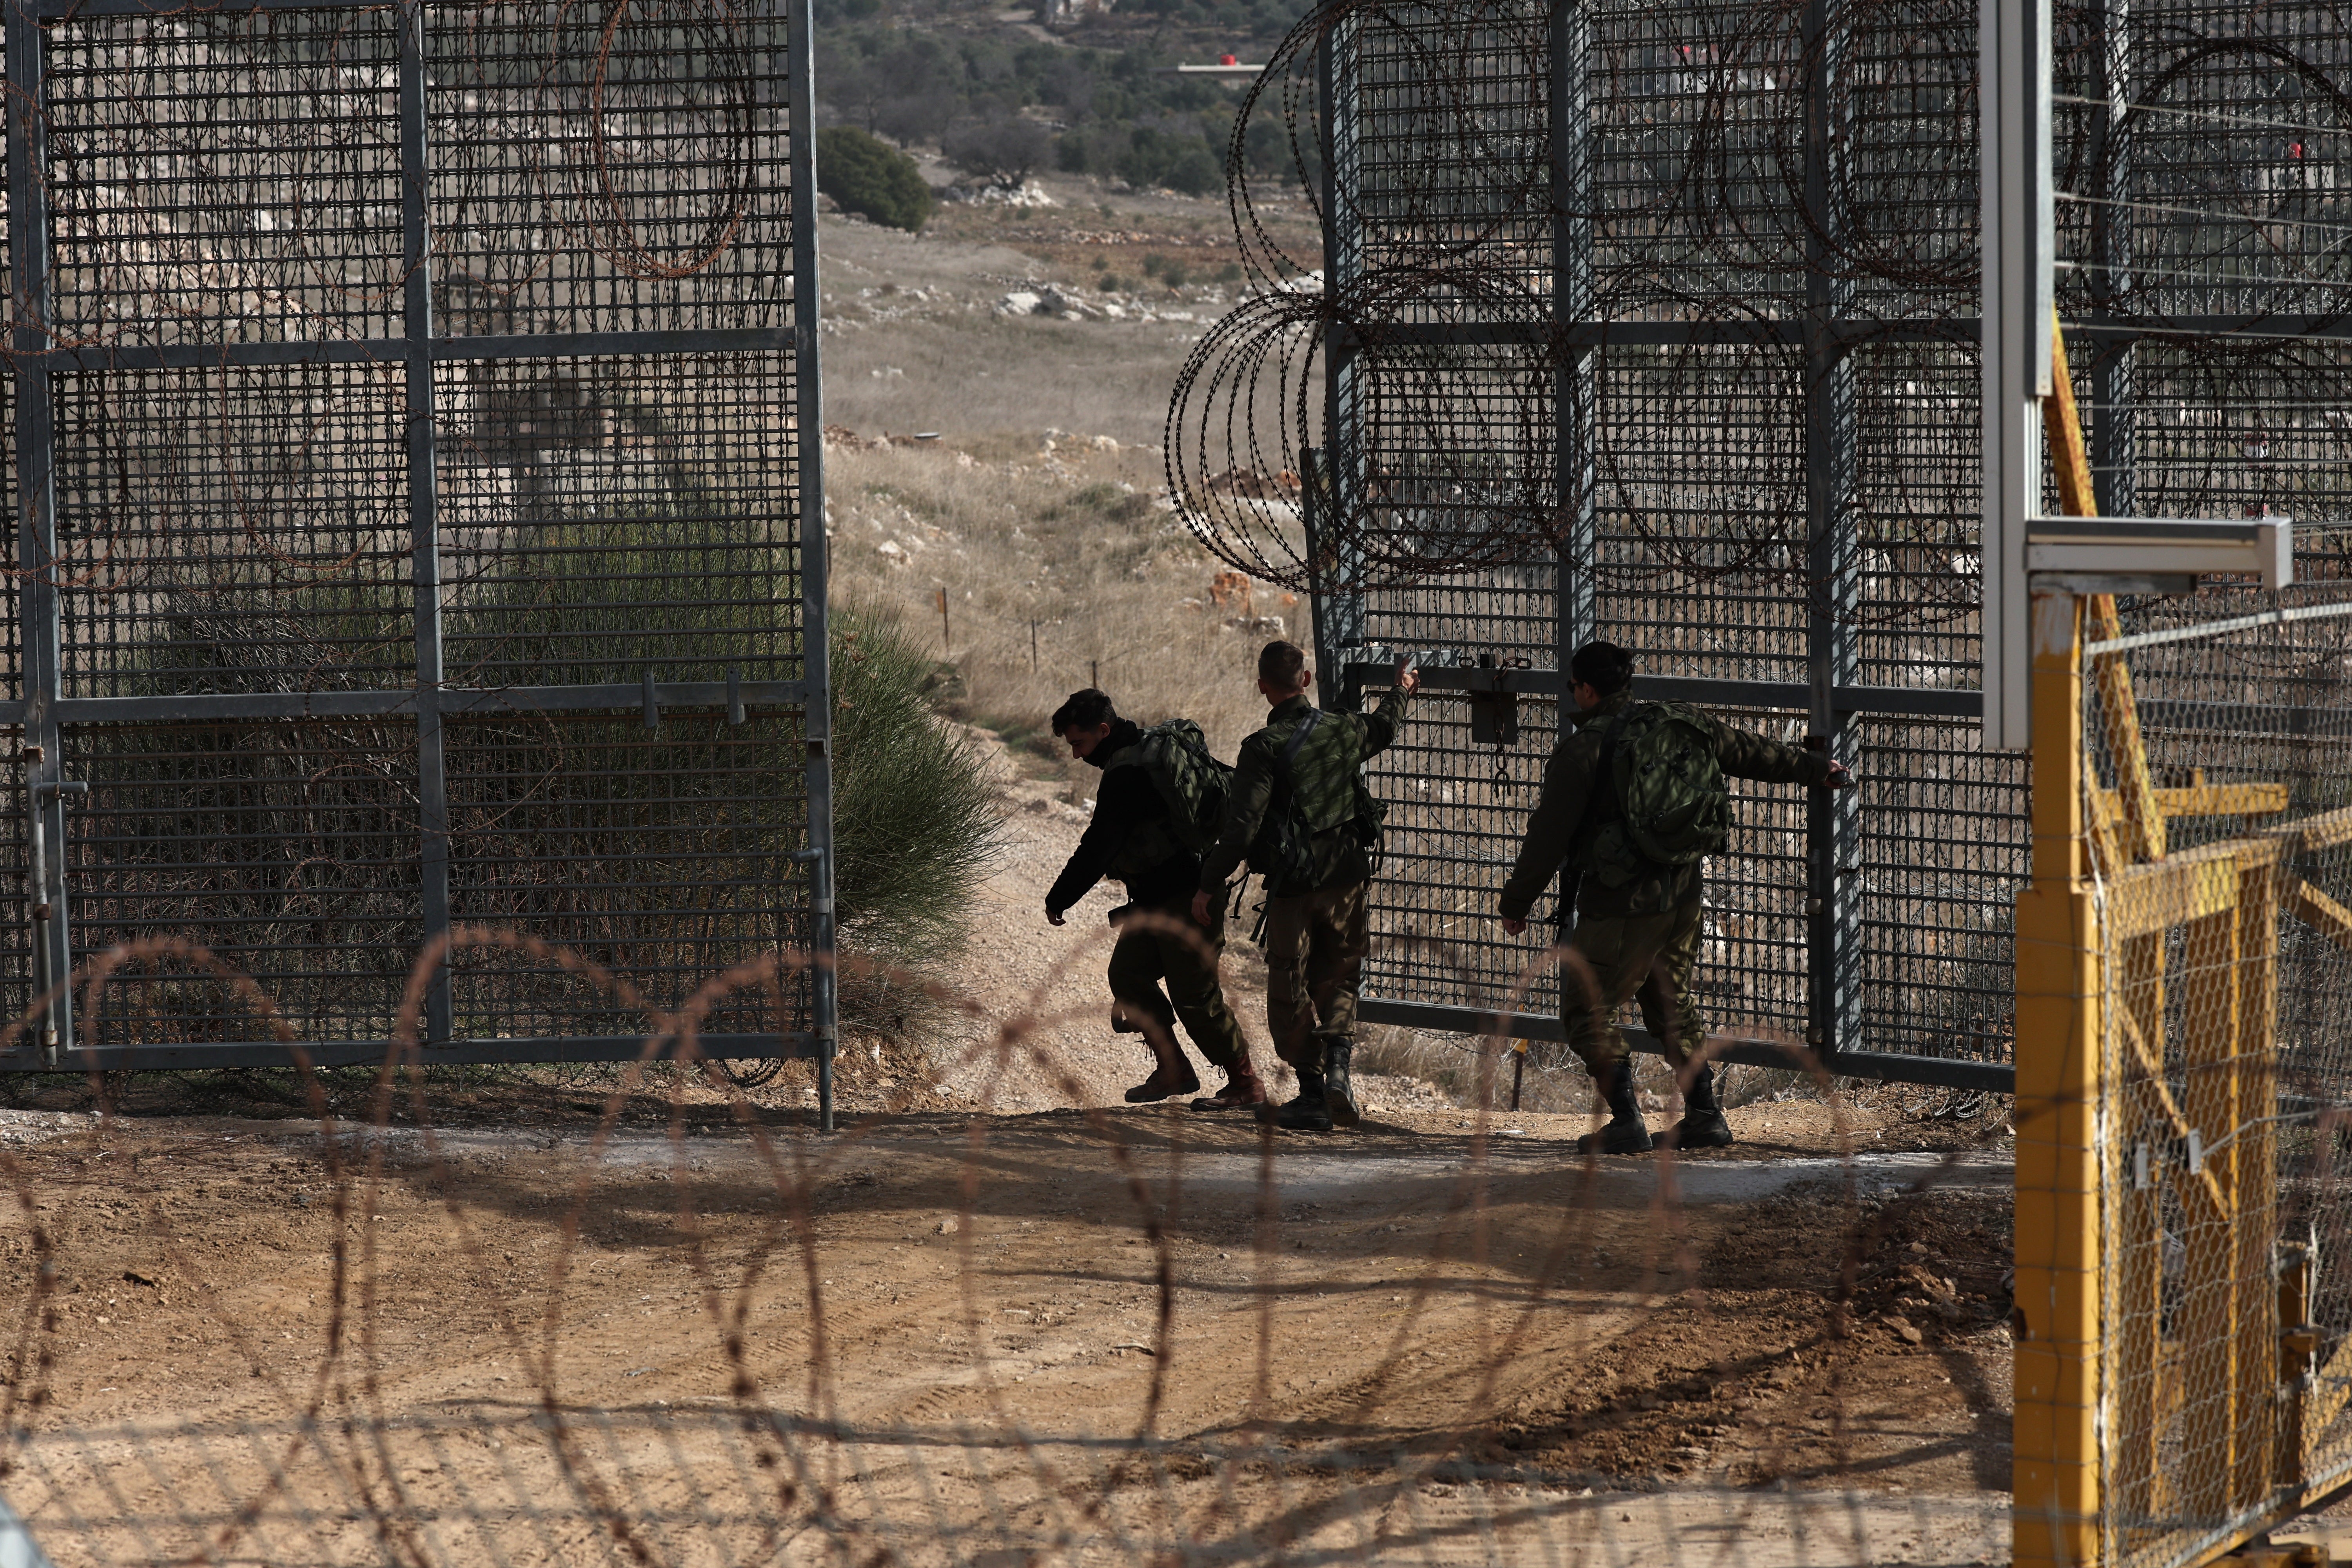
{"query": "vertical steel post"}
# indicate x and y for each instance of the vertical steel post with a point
(28, 221)
(424, 507)
(1334, 584)
(2014, 211)
(1574, 383)
(2115, 423)
(2055, 1479)
(808, 445)
(1833, 818)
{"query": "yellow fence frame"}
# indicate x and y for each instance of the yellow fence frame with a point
(2073, 1493)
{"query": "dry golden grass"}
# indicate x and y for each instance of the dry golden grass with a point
(1060, 569)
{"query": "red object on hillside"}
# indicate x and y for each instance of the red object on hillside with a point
(1228, 60)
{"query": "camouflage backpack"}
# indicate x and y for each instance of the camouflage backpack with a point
(1672, 806)
(1284, 850)
(1175, 757)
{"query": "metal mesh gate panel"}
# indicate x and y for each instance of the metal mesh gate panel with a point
(404, 447)
(1658, 323)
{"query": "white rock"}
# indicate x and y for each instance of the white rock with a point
(1020, 302)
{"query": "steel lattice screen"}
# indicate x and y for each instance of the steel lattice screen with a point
(405, 435)
(1665, 319)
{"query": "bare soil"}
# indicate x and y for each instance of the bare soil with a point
(1431, 1290)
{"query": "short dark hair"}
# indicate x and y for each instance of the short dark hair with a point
(1085, 710)
(1282, 663)
(1602, 666)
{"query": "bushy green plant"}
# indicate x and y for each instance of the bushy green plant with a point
(871, 178)
(290, 848)
(914, 823)
(1183, 164)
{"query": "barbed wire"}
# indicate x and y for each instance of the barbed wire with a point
(1605, 328)
(342, 1454)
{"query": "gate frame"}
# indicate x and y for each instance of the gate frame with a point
(2073, 1461)
(43, 711)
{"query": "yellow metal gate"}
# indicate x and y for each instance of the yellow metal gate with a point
(2184, 1009)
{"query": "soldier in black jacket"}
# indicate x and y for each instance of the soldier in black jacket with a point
(1132, 839)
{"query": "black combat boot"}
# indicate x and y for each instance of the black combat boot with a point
(1626, 1133)
(1338, 1088)
(1703, 1125)
(1309, 1112)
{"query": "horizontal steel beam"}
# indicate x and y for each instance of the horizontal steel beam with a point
(2080, 546)
(1919, 702)
(217, 707)
(2215, 720)
(1789, 332)
(371, 1053)
(163, 10)
(391, 352)
(1895, 1067)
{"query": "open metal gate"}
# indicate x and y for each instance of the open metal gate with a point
(412, 435)
(1658, 323)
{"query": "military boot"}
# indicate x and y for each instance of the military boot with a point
(1339, 1087)
(1309, 1112)
(1703, 1125)
(1626, 1133)
(1243, 1091)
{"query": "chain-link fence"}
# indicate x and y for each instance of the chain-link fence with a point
(2220, 809)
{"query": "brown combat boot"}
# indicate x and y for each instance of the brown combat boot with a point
(1166, 1082)
(1243, 1091)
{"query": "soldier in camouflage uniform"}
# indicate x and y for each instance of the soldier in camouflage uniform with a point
(1638, 924)
(1132, 838)
(1316, 916)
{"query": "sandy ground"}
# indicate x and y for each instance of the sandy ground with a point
(1423, 1305)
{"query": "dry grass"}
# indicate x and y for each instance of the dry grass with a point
(1061, 569)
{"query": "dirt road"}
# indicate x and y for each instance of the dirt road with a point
(941, 1325)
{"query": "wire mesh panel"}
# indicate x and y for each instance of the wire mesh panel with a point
(409, 496)
(2227, 1353)
(238, 528)
(216, 178)
(1711, 355)
(661, 857)
(286, 849)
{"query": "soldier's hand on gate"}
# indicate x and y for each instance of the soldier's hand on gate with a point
(1408, 678)
(1200, 908)
(1840, 777)
(1514, 927)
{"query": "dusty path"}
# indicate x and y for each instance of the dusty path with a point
(958, 1320)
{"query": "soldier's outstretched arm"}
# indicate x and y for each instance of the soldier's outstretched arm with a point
(1090, 861)
(1379, 727)
(1744, 754)
(1551, 830)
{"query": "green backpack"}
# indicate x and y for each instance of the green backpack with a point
(1175, 757)
(1671, 805)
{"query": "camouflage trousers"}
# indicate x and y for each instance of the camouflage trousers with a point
(1314, 946)
(1647, 959)
(1143, 961)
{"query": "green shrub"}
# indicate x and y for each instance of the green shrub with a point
(868, 177)
(913, 825)
(1181, 163)
(290, 847)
